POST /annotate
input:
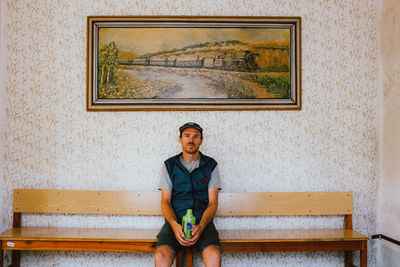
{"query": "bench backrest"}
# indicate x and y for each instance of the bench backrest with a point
(86, 202)
(148, 203)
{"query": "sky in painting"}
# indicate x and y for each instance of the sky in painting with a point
(148, 40)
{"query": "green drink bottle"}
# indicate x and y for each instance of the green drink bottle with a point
(188, 221)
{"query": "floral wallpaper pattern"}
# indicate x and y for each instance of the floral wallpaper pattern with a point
(330, 145)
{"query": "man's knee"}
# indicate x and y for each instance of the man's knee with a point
(212, 256)
(164, 256)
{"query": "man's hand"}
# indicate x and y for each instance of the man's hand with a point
(196, 233)
(180, 236)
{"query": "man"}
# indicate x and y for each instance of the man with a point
(189, 180)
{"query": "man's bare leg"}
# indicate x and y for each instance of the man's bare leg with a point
(164, 257)
(212, 257)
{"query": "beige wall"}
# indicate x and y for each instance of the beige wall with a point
(390, 204)
(3, 120)
(332, 144)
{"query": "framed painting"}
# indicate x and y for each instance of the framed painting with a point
(193, 63)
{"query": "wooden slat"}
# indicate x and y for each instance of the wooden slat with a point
(83, 246)
(292, 246)
(80, 234)
(292, 203)
(148, 203)
(292, 235)
(87, 202)
(149, 235)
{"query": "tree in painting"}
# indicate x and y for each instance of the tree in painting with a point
(108, 63)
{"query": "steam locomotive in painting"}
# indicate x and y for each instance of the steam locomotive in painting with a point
(232, 61)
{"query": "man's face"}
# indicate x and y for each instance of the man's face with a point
(191, 140)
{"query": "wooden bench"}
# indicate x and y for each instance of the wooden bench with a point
(293, 204)
(36, 201)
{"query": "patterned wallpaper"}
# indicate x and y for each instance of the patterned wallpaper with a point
(3, 121)
(330, 145)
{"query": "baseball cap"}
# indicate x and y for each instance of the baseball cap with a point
(191, 125)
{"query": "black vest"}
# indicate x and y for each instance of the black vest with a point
(190, 190)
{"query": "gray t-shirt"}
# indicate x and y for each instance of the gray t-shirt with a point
(166, 183)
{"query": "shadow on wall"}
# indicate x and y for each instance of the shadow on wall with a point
(390, 254)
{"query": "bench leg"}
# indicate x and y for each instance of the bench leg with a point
(189, 257)
(363, 255)
(16, 258)
(1, 256)
(348, 258)
(178, 258)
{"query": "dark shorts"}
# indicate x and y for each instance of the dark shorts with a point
(209, 237)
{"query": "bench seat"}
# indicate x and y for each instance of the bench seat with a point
(292, 235)
(148, 236)
(93, 239)
(110, 239)
(291, 240)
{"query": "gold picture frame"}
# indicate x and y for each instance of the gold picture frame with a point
(148, 63)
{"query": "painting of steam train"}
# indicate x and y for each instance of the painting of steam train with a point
(193, 63)
(232, 61)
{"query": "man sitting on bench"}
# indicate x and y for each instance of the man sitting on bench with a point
(189, 180)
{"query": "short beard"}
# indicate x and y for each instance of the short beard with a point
(191, 152)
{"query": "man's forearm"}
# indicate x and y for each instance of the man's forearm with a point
(168, 212)
(208, 214)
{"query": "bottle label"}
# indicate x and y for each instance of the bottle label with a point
(188, 229)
